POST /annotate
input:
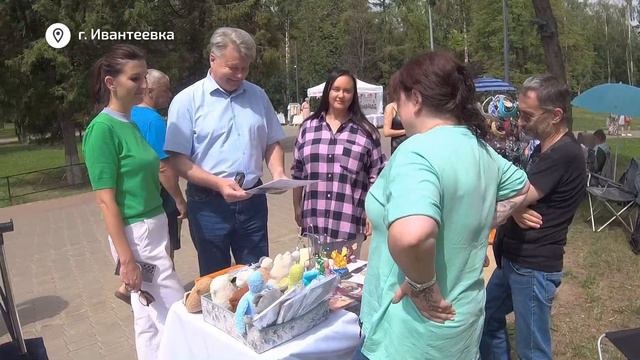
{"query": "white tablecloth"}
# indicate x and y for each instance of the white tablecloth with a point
(187, 336)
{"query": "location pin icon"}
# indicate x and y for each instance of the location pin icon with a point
(57, 34)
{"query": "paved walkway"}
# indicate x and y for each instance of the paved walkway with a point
(62, 272)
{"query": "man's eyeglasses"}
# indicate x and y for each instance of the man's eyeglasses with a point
(545, 109)
(527, 118)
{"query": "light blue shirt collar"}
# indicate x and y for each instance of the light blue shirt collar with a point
(210, 85)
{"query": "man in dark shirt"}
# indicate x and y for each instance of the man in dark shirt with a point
(529, 247)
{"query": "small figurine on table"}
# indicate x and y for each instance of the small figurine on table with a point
(340, 261)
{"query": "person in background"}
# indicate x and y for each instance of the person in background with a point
(340, 147)
(153, 128)
(587, 145)
(627, 126)
(306, 108)
(602, 150)
(431, 210)
(392, 126)
(220, 131)
(123, 170)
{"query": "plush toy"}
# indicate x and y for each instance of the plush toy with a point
(295, 275)
(265, 274)
(237, 295)
(192, 299)
(242, 276)
(266, 263)
(245, 306)
(221, 290)
(309, 276)
(295, 256)
(281, 266)
(265, 299)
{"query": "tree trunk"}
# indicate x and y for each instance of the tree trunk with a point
(73, 171)
(464, 32)
(548, 30)
(21, 132)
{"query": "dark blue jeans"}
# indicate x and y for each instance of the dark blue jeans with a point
(529, 294)
(170, 208)
(217, 227)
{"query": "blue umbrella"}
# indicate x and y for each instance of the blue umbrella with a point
(485, 84)
(620, 99)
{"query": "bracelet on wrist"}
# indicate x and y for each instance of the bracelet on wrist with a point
(418, 287)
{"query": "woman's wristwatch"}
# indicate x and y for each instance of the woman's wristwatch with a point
(417, 287)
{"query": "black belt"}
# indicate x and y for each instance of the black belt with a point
(191, 187)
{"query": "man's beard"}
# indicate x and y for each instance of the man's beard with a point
(541, 131)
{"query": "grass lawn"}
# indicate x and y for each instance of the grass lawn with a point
(16, 158)
(586, 120)
(599, 291)
(627, 149)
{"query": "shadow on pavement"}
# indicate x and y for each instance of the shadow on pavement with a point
(37, 309)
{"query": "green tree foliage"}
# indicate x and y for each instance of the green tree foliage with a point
(44, 88)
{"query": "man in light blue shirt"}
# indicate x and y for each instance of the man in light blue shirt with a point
(222, 128)
(153, 127)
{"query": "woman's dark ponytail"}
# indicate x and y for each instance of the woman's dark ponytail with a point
(446, 87)
(111, 64)
(468, 113)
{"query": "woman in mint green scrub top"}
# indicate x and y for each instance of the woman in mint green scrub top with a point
(432, 208)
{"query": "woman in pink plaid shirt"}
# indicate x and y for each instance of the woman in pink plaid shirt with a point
(340, 147)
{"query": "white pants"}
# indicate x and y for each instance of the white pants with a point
(149, 242)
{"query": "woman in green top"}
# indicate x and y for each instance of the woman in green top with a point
(431, 209)
(123, 170)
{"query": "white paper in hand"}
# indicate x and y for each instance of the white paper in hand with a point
(279, 186)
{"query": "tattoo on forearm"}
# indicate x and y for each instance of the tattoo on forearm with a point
(506, 207)
(425, 294)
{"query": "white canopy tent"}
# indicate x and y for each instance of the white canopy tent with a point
(369, 95)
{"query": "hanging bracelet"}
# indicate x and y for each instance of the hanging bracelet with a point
(417, 287)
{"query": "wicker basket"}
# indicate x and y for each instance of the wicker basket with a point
(261, 340)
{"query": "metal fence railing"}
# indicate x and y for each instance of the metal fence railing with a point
(14, 188)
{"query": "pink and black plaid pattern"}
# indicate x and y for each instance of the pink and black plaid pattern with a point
(346, 163)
